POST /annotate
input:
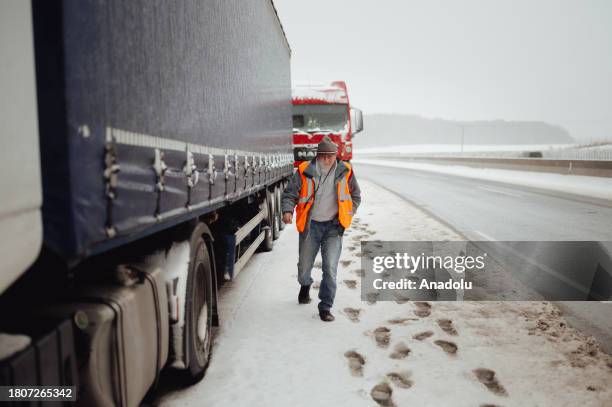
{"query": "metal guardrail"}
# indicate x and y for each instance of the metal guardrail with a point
(579, 154)
(595, 168)
(589, 154)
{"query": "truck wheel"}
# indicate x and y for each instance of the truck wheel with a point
(268, 243)
(275, 218)
(198, 311)
(267, 225)
(279, 212)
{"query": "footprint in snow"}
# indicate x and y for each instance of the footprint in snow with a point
(352, 284)
(401, 298)
(381, 393)
(487, 377)
(400, 351)
(316, 285)
(382, 335)
(447, 326)
(346, 263)
(318, 264)
(359, 272)
(356, 362)
(423, 309)
(372, 298)
(448, 347)
(423, 335)
(401, 379)
(401, 321)
(352, 314)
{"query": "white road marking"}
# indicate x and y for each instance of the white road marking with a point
(487, 237)
(499, 191)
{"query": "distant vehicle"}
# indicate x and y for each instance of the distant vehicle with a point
(323, 110)
(142, 164)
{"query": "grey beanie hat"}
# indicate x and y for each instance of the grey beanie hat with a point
(327, 146)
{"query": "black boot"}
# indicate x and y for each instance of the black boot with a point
(326, 316)
(304, 295)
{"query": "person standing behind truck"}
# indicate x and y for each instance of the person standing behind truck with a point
(325, 195)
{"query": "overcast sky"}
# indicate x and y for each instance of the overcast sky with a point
(545, 60)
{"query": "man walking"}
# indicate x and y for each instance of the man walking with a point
(325, 195)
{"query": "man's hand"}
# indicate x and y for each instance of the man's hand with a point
(287, 217)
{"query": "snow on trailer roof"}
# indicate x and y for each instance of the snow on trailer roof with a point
(321, 94)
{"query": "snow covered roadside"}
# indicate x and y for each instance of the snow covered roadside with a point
(456, 148)
(270, 351)
(596, 187)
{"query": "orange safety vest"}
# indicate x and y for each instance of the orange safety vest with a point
(306, 199)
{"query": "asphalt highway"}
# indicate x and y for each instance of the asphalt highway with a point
(485, 210)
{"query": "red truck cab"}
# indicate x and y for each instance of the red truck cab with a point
(320, 111)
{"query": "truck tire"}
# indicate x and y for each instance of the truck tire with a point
(277, 193)
(198, 311)
(276, 220)
(267, 225)
(268, 243)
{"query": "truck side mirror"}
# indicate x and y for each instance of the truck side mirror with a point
(356, 120)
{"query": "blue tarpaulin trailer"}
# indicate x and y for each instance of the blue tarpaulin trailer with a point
(151, 113)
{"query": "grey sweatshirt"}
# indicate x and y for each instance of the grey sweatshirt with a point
(325, 205)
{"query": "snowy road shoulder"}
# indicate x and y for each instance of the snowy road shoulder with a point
(594, 187)
(270, 351)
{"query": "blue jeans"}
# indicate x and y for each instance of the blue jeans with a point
(327, 237)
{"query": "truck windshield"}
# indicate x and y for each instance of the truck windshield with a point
(324, 118)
